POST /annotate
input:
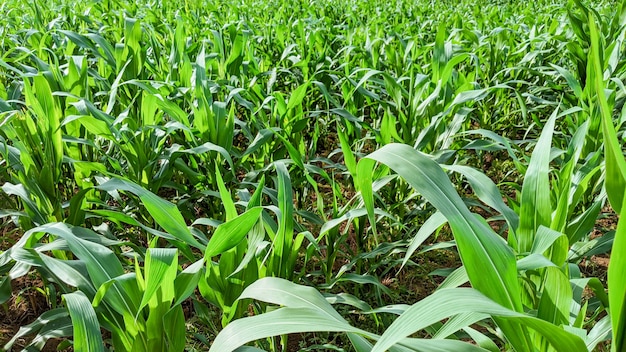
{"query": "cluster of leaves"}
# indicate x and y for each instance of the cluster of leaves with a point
(263, 160)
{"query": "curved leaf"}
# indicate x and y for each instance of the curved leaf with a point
(447, 302)
(87, 336)
(164, 213)
(489, 262)
(229, 234)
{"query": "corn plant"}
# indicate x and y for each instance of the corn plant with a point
(244, 264)
(495, 278)
(225, 153)
(133, 306)
(36, 159)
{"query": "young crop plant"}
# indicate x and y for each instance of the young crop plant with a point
(141, 308)
(549, 317)
(249, 175)
(36, 155)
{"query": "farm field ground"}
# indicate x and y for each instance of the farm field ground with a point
(347, 175)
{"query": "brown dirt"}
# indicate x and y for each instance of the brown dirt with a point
(598, 265)
(25, 305)
(417, 283)
(8, 235)
(293, 342)
(27, 301)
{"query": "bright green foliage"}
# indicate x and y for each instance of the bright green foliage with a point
(201, 175)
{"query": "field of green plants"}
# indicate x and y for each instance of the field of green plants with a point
(312, 175)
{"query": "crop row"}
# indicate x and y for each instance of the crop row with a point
(191, 175)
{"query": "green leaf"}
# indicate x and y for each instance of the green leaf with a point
(615, 184)
(617, 285)
(102, 264)
(305, 310)
(187, 281)
(160, 271)
(431, 224)
(50, 324)
(447, 302)
(164, 213)
(533, 261)
(487, 191)
(286, 293)
(556, 297)
(489, 262)
(227, 200)
(348, 156)
(87, 336)
(175, 329)
(208, 147)
(230, 233)
(297, 95)
(279, 322)
(5, 289)
(535, 206)
(457, 278)
(281, 258)
(457, 323)
(571, 80)
(365, 279)
(615, 179)
(61, 269)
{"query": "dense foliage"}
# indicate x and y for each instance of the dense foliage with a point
(328, 175)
